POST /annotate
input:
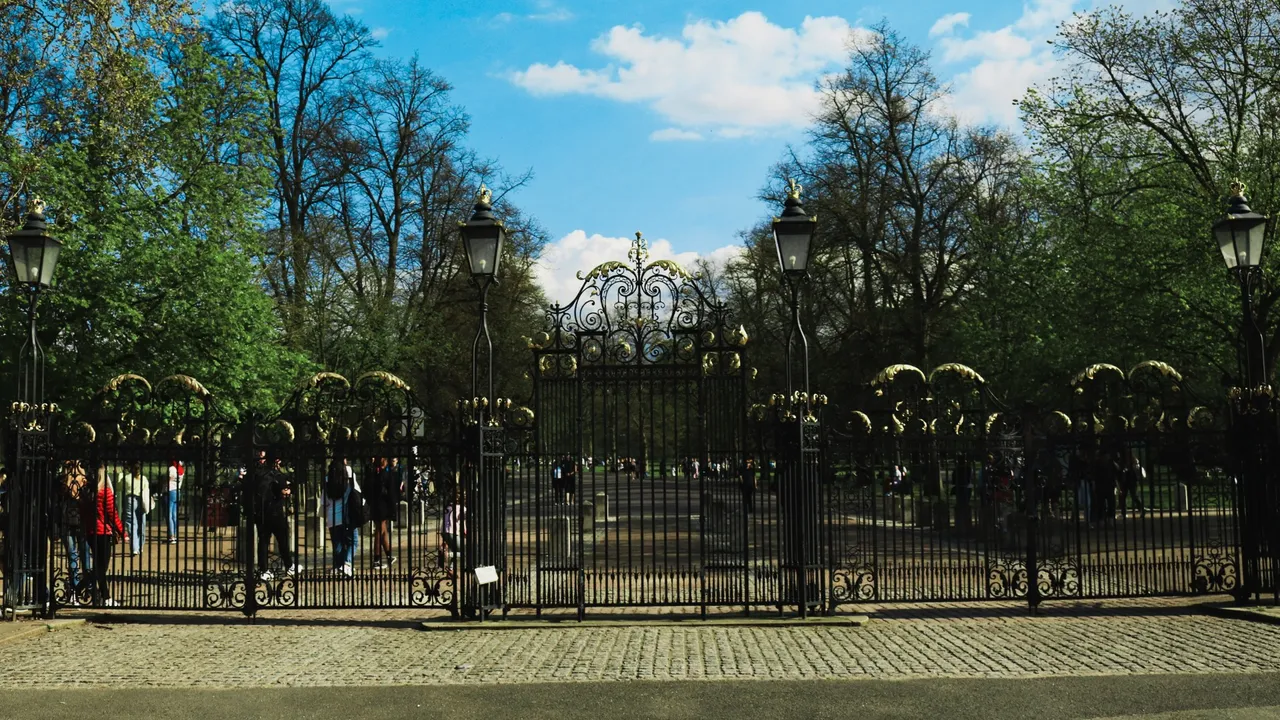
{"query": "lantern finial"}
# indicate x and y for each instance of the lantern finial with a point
(37, 206)
(485, 196)
(794, 189)
(1238, 188)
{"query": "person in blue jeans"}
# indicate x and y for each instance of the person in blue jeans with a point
(74, 539)
(177, 472)
(132, 486)
(340, 483)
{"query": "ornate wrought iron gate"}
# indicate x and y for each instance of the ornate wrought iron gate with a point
(636, 495)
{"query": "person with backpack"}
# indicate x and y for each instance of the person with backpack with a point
(341, 511)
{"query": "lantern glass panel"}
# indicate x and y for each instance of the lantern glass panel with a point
(793, 247)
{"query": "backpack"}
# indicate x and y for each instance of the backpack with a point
(357, 514)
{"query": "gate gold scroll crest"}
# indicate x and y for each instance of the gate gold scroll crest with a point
(558, 366)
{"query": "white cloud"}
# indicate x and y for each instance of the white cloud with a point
(561, 260)
(380, 33)
(669, 134)
(745, 74)
(1003, 63)
(1003, 44)
(949, 22)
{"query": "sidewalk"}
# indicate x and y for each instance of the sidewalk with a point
(989, 640)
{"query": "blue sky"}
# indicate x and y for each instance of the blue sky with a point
(666, 116)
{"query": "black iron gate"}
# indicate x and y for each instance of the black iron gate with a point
(637, 496)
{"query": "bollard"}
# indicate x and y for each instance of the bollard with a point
(588, 517)
(559, 541)
(1181, 498)
(402, 514)
(602, 508)
(904, 509)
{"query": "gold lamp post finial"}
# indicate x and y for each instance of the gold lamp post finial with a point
(794, 189)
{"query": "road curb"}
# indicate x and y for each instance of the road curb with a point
(35, 629)
(1246, 613)
(447, 624)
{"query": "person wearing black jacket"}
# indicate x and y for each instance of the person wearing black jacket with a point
(383, 495)
(273, 493)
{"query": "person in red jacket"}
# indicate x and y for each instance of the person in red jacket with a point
(101, 524)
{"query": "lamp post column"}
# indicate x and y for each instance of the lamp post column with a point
(34, 254)
(796, 429)
(1241, 235)
(483, 435)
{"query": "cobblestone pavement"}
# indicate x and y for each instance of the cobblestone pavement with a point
(989, 640)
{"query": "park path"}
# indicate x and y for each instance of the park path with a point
(901, 641)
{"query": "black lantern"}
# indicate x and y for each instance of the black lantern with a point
(1241, 233)
(34, 252)
(482, 237)
(793, 234)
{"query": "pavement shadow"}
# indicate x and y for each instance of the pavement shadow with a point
(998, 612)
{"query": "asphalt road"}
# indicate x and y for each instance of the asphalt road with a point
(1180, 697)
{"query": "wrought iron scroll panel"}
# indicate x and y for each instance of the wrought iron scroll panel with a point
(640, 397)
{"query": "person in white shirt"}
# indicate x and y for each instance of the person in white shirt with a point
(132, 486)
(177, 472)
(453, 526)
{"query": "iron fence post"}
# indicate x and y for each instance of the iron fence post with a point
(1031, 485)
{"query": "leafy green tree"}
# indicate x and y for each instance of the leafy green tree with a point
(1136, 146)
(155, 276)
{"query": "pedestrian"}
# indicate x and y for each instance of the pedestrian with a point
(102, 523)
(340, 485)
(4, 521)
(1103, 477)
(1078, 478)
(177, 472)
(749, 486)
(569, 479)
(962, 486)
(383, 495)
(133, 487)
(1131, 476)
(71, 529)
(273, 494)
(453, 525)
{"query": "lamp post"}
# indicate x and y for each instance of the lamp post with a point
(34, 255)
(793, 238)
(1241, 234)
(482, 239)
(796, 427)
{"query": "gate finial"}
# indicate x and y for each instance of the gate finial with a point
(639, 249)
